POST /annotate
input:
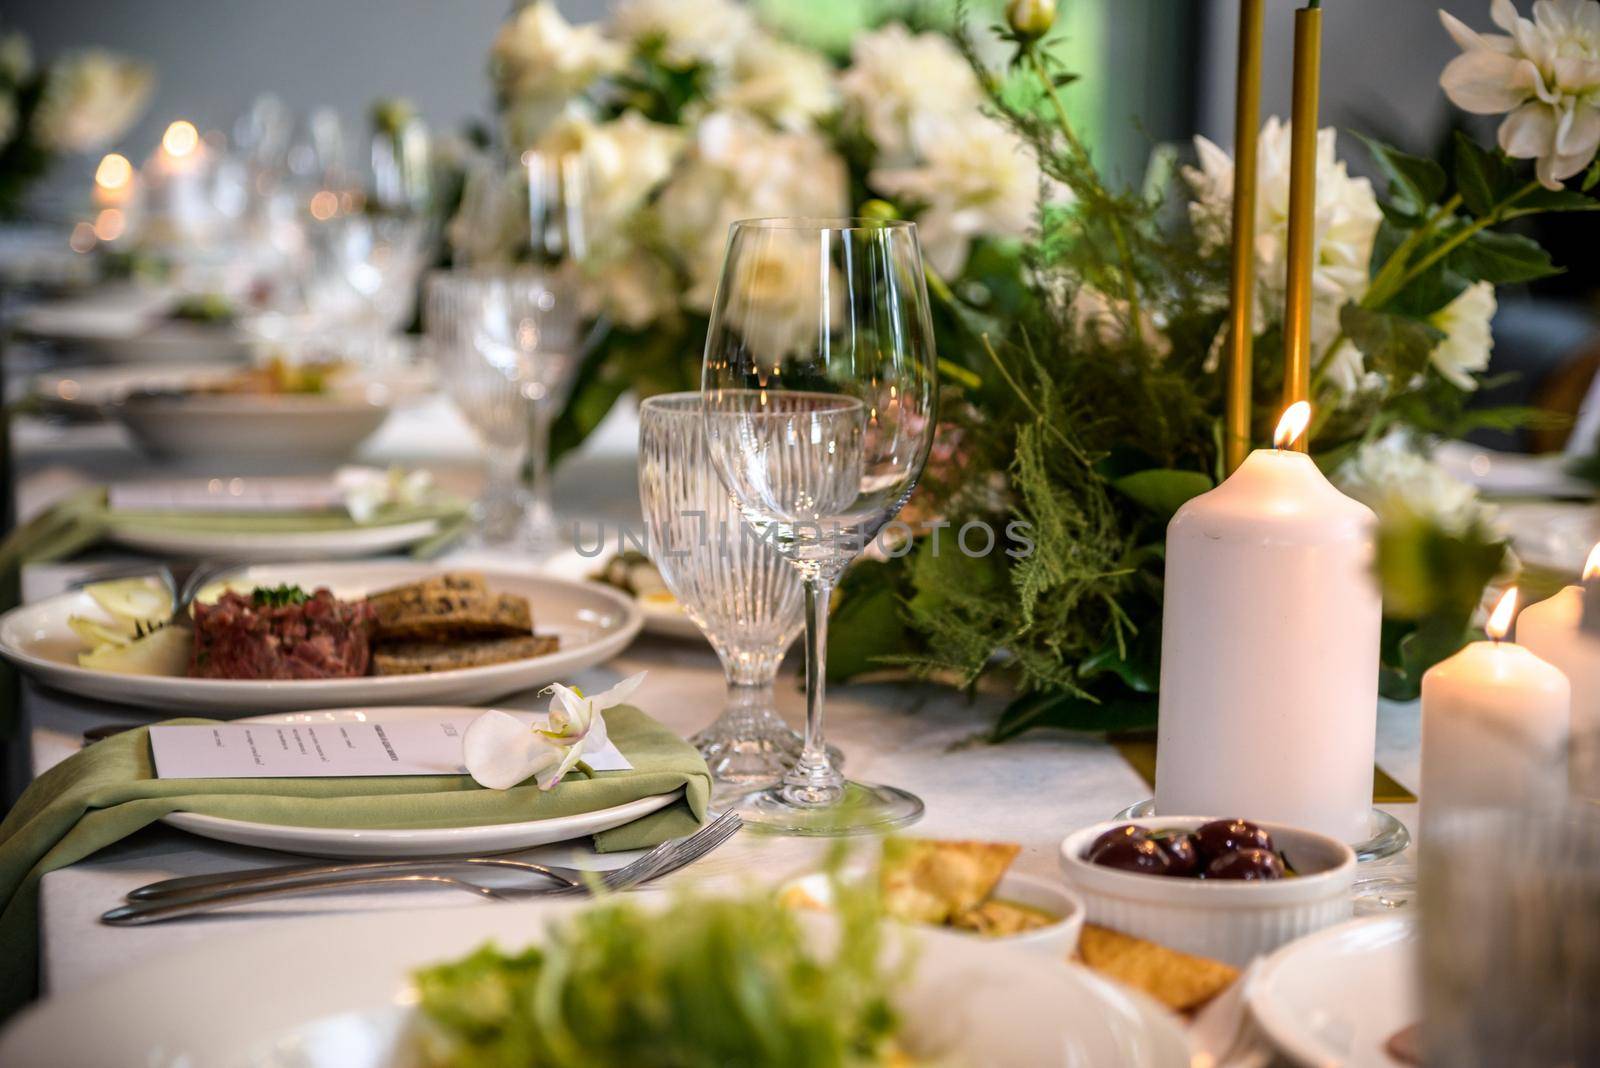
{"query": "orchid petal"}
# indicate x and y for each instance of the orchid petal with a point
(500, 750)
(569, 712)
(548, 777)
(619, 694)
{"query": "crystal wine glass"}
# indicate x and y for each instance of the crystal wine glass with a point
(741, 593)
(506, 347)
(820, 390)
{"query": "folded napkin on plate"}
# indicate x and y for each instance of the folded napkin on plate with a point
(109, 790)
(83, 518)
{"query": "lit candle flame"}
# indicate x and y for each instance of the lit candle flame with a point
(114, 172)
(1500, 619)
(181, 138)
(1591, 566)
(1294, 422)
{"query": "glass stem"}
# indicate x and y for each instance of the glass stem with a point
(539, 463)
(814, 780)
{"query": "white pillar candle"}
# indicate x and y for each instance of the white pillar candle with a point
(1269, 658)
(1553, 631)
(1494, 723)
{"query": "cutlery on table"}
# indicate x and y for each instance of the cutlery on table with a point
(662, 860)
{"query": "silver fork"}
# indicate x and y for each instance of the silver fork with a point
(665, 858)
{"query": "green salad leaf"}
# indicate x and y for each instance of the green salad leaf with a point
(700, 983)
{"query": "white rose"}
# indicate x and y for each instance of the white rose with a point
(1467, 340)
(1544, 71)
(539, 53)
(624, 161)
(1106, 318)
(740, 168)
(90, 99)
(16, 57)
(790, 85)
(901, 86)
(1345, 226)
(774, 294)
(1397, 482)
(975, 177)
(689, 31)
(634, 288)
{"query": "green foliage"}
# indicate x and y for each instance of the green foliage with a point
(1102, 430)
(699, 983)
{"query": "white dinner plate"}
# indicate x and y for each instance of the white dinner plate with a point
(1554, 535)
(423, 842)
(333, 992)
(1334, 998)
(661, 620)
(594, 623)
(290, 545)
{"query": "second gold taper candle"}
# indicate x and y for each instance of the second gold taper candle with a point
(1241, 319)
(1302, 206)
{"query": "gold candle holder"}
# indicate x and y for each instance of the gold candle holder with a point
(1241, 319)
(1302, 207)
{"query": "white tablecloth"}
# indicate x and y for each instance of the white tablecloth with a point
(1030, 791)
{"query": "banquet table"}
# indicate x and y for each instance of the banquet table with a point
(1032, 790)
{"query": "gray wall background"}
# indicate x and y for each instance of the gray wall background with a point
(1380, 67)
(213, 57)
(1381, 59)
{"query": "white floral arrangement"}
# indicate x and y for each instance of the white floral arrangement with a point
(689, 115)
(81, 102)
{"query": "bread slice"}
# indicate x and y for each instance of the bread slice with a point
(1179, 981)
(456, 604)
(417, 658)
(927, 880)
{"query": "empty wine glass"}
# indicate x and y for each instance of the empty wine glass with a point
(819, 393)
(742, 595)
(506, 347)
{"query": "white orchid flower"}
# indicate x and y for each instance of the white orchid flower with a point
(501, 750)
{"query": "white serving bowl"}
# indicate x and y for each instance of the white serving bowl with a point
(1056, 940)
(1229, 920)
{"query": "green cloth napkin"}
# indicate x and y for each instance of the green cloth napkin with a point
(83, 518)
(109, 790)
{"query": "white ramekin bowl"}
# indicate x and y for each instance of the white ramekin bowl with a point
(1058, 940)
(1228, 920)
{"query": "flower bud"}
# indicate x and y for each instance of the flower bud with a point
(1031, 19)
(879, 211)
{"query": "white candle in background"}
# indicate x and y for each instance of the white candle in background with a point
(1495, 722)
(1269, 658)
(1553, 630)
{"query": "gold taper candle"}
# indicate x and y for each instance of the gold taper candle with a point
(1241, 320)
(1302, 206)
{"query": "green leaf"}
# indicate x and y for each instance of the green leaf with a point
(1163, 490)
(1591, 176)
(1414, 182)
(1428, 292)
(1549, 200)
(1503, 259)
(1394, 344)
(1069, 712)
(867, 626)
(1482, 177)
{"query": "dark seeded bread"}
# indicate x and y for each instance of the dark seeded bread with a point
(416, 658)
(457, 604)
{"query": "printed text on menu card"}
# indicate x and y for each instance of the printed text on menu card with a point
(409, 745)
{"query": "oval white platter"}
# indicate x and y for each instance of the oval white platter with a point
(594, 623)
(279, 545)
(1337, 996)
(334, 991)
(421, 842)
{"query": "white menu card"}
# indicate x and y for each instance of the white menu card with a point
(403, 746)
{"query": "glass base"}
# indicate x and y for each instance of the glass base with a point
(1389, 836)
(751, 755)
(864, 809)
